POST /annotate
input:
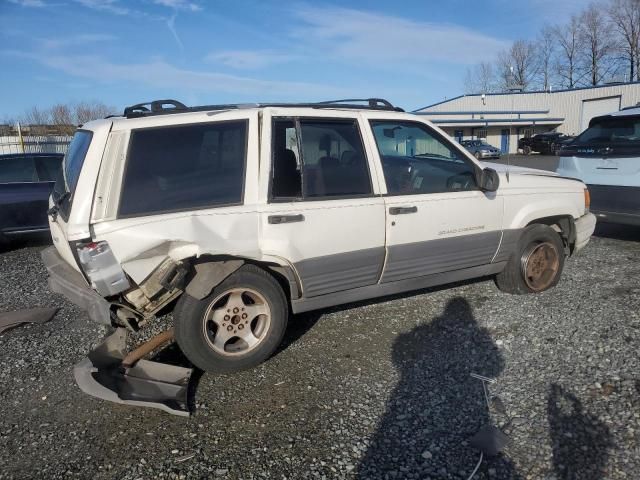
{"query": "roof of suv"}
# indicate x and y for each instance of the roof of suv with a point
(166, 107)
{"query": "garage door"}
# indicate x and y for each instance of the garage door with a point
(598, 106)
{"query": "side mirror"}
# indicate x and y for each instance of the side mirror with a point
(489, 180)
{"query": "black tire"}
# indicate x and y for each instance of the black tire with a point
(526, 150)
(535, 238)
(477, 155)
(189, 320)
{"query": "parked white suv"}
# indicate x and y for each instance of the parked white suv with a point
(245, 214)
(606, 156)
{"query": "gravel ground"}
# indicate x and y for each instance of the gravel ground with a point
(373, 390)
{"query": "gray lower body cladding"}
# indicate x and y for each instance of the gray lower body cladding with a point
(65, 280)
(616, 204)
(382, 289)
(508, 245)
(353, 276)
(344, 271)
(436, 256)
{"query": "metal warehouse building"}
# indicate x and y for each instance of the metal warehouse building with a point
(502, 118)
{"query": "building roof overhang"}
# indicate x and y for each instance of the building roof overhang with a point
(496, 122)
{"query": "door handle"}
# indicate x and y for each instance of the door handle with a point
(277, 219)
(402, 210)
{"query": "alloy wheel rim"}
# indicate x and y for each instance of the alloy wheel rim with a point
(540, 265)
(236, 321)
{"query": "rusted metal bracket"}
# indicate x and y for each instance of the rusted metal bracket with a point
(110, 373)
(147, 347)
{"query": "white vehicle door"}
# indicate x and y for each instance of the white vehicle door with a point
(437, 219)
(322, 214)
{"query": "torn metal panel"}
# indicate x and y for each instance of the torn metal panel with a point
(141, 244)
(146, 384)
(209, 275)
(10, 320)
(161, 287)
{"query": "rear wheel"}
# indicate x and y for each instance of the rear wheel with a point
(537, 263)
(526, 150)
(238, 326)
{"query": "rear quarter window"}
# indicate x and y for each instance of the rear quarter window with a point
(184, 167)
(74, 159)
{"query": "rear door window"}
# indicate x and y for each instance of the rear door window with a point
(184, 167)
(318, 159)
(17, 170)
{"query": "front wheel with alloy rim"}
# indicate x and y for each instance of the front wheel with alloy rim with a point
(237, 326)
(537, 263)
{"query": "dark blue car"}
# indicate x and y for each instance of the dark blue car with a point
(26, 181)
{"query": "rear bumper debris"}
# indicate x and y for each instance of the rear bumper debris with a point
(9, 320)
(65, 280)
(105, 374)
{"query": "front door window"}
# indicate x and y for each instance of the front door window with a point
(417, 161)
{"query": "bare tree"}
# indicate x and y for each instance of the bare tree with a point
(86, 111)
(62, 117)
(546, 49)
(625, 17)
(37, 119)
(567, 65)
(518, 65)
(65, 117)
(597, 44)
(36, 116)
(480, 78)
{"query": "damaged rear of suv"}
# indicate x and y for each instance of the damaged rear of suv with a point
(235, 216)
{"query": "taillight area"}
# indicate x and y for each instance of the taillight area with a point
(102, 268)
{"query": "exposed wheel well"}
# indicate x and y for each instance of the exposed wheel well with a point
(564, 225)
(284, 275)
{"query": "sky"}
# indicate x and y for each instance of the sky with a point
(122, 52)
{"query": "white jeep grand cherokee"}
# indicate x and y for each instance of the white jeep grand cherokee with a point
(245, 213)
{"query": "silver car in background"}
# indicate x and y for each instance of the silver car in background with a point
(481, 149)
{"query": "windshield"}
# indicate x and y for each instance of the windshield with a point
(71, 166)
(616, 131)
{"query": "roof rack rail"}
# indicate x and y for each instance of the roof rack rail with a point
(155, 106)
(163, 107)
(371, 102)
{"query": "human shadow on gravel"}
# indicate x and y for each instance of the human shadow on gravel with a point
(580, 441)
(437, 407)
